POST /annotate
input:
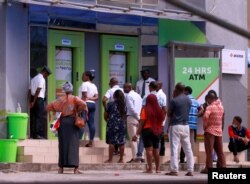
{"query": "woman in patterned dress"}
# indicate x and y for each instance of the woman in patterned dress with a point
(115, 116)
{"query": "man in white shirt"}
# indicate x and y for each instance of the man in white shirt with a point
(142, 85)
(134, 105)
(36, 99)
(162, 100)
(108, 97)
(142, 88)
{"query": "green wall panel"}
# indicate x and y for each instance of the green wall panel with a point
(67, 39)
(177, 30)
(130, 45)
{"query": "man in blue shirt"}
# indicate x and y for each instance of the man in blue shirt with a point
(194, 111)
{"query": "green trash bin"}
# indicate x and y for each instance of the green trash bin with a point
(8, 150)
(17, 125)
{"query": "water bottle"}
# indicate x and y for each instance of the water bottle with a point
(18, 109)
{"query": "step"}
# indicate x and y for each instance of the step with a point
(43, 167)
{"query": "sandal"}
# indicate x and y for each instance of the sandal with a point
(108, 161)
(172, 174)
(157, 171)
(77, 171)
(60, 170)
(204, 171)
(90, 144)
(148, 171)
(189, 174)
(121, 162)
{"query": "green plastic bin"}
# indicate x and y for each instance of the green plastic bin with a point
(8, 150)
(17, 125)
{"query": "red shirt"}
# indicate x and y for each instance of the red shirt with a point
(235, 133)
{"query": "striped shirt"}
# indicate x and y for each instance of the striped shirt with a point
(212, 119)
(192, 116)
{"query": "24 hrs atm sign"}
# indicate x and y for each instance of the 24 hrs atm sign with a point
(199, 73)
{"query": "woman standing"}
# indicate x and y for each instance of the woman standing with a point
(68, 133)
(115, 116)
(88, 92)
(150, 126)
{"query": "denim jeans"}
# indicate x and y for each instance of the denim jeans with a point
(140, 152)
(90, 121)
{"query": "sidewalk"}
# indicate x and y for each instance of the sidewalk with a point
(100, 174)
(99, 177)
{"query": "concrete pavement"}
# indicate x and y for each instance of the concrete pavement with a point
(99, 177)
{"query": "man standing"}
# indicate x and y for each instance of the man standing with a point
(239, 137)
(36, 99)
(142, 85)
(162, 100)
(142, 88)
(213, 120)
(134, 105)
(194, 111)
(108, 97)
(179, 130)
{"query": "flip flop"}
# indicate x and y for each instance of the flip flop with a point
(108, 161)
(172, 174)
(148, 171)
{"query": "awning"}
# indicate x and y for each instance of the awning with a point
(147, 8)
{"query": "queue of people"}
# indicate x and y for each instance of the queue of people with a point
(142, 113)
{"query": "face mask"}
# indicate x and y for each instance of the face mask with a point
(235, 126)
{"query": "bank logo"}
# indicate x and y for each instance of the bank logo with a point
(236, 55)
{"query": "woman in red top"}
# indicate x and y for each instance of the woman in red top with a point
(150, 126)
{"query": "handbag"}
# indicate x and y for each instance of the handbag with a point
(79, 121)
(56, 124)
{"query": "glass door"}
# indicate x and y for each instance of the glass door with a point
(63, 58)
(66, 60)
(117, 67)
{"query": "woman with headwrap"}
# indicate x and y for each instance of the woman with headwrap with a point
(68, 133)
(150, 127)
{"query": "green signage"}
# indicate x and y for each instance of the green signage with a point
(201, 74)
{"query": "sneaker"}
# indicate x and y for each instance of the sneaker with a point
(138, 160)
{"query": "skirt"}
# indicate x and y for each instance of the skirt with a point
(68, 139)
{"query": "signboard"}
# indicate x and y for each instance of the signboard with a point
(119, 47)
(117, 67)
(66, 42)
(233, 61)
(201, 74)
(63, 68)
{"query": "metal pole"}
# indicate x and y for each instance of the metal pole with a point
(210, 18)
